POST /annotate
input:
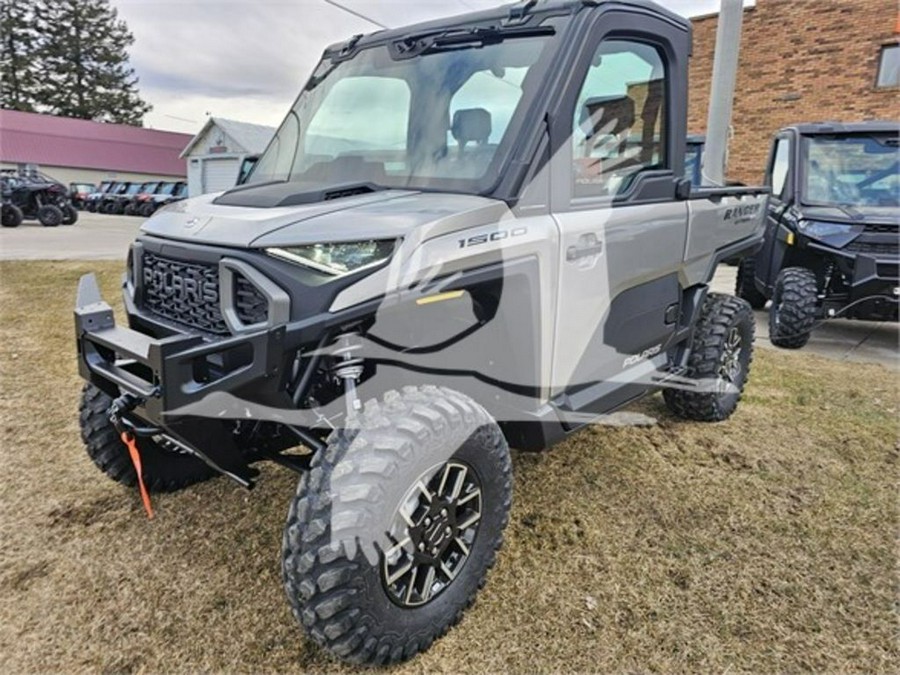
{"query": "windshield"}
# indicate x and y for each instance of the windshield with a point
(167, 188)
(438, 120)
(134, 188)
(859, 170)
(150, 187)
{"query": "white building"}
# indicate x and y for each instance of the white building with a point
(215, 154)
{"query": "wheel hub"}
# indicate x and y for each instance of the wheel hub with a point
(436, 530)
(730, 368)
(433, 532)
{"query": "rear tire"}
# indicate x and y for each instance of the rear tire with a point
(50, 215)
(163, 470)
(745, 287)
(721, 354)
(344, 560)
(794, 308)
(70, 216)
(12, 215)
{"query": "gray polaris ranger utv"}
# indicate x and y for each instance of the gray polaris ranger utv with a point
(466, 235)
(831, 247)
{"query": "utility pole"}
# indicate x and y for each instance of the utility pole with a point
(721, 94)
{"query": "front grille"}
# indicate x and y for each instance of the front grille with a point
(184, 292)
(250, 305)
(188, 293)
(880, 228)
(871, 248)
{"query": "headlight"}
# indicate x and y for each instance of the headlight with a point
(834, 234)
(339, 258)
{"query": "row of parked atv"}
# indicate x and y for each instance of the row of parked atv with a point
(34, 195)
(128, 198)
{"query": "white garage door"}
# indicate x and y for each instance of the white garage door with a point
(219, 173)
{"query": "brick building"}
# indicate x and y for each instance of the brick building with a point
(800, 61)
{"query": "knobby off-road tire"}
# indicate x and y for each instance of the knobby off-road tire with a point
(794, 307)
(50, 215)
(338, 583)
(12, 215)
(721, 353)
(70, 215)
(163, 470)
(745, 287)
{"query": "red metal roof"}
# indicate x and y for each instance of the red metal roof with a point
(47, 140)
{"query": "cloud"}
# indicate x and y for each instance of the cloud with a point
(247, 59)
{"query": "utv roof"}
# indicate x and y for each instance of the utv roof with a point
(514, 13)
(875, 126)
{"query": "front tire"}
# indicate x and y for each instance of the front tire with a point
(163, 470)
(721, 353)
(792, 315)
(50, 215)
(745, 287)
(364, 574)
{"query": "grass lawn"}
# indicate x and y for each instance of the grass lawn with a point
(765, 543)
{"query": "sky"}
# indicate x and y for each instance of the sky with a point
(247, 59)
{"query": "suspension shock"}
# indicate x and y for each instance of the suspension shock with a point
(348, 368)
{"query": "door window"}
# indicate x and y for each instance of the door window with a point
(619, 126)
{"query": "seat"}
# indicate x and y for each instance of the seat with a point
(471, 125)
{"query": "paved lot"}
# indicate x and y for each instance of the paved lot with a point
(103, 237)
(94, 237)
(841, 339)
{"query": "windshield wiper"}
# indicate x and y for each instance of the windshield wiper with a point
(461, 38)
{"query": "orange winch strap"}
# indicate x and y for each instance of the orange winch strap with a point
(129, 441)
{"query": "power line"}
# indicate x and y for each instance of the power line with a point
(359, 15)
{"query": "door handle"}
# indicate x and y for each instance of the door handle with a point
(584, 251)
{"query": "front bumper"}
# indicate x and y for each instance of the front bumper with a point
(172, 372)
(873, 282)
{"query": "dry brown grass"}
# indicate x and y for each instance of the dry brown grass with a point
(766, 543)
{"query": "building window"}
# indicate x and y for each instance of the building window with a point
(889, 67)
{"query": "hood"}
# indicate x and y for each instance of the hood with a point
(386, 214)
(855, 215)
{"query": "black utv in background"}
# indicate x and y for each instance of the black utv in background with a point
(830, 248)
(165, 195)
(134, 202)
(34, 195)
(92, 202)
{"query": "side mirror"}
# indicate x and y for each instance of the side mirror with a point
(683, 188)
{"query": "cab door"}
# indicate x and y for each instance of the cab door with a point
(779, 178)
(619, 155)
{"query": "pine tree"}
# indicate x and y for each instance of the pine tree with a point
(18, 50)
(84, 60)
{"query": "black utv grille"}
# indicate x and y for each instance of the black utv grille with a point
(867, 247)
(880, 228)
(187, 293)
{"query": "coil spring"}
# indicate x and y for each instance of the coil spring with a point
(347, 366)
